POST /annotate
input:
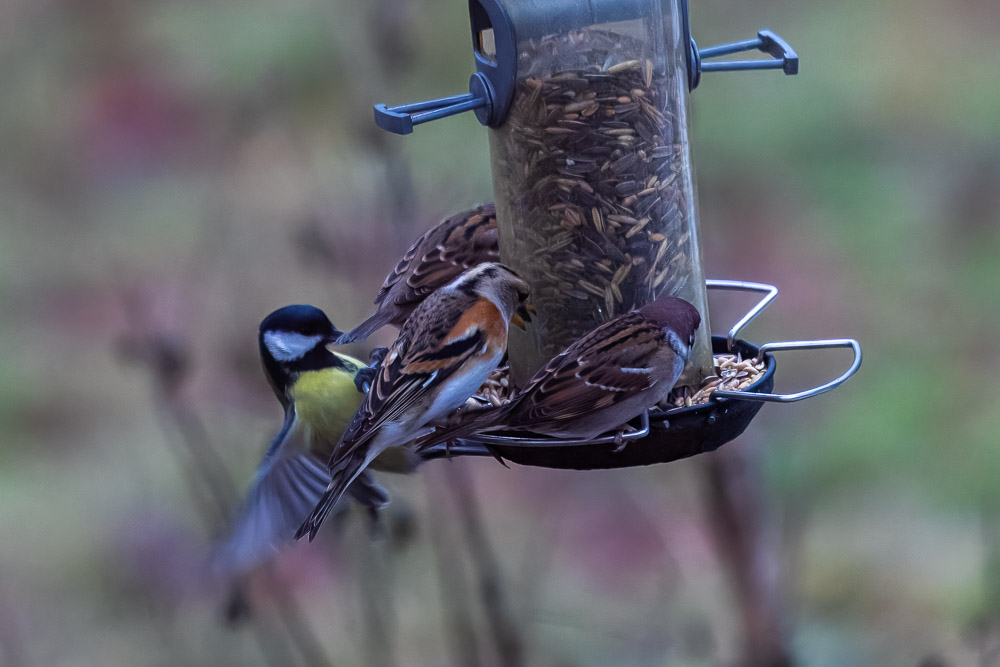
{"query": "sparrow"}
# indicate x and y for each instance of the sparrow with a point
(445, 351)
(440, 255)
(598, 383)
(319, 391)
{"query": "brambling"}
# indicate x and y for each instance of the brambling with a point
(444, 353)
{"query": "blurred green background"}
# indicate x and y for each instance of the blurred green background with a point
(173, 171)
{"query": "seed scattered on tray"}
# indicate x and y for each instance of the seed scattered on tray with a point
(497, 389)
(732, 373)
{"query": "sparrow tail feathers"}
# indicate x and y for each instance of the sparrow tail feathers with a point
(487, 419)
(378, 320)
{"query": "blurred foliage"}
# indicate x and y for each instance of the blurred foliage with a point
(208, 162)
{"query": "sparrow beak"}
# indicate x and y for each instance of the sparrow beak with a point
(523, 315)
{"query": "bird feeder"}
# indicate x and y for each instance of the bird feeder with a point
(587, 101)
(587, 105)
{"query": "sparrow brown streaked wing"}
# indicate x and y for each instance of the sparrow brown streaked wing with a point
(607, 365)
(438, 256)
(441, 254)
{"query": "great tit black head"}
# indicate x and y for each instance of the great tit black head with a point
(294, 339)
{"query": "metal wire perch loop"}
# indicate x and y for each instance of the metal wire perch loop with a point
(770, 294)
(767, 348)
(613, 439)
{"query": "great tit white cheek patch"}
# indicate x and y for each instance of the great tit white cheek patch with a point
(288, 345)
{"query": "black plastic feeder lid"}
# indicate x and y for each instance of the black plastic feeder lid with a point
(498, 26)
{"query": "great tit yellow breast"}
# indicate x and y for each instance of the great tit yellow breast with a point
(325, 400)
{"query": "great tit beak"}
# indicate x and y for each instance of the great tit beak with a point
(523, 315)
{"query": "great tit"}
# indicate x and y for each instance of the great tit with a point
(319, 390)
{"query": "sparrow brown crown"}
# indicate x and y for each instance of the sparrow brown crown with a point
(675, 313)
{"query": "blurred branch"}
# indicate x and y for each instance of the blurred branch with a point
(539, 553)
(736, 516)
(649, 638)
(315, 245)
(391, 24)
(12, 645)
(299, 631)
(166, 359)
(375, 591)
(989, 625)
(454, 589)
(510, 644)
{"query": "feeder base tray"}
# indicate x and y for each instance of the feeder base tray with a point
(673, 434)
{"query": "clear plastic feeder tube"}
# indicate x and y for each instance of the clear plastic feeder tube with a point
(592, 173)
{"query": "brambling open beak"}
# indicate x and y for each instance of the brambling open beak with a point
(523, 314)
